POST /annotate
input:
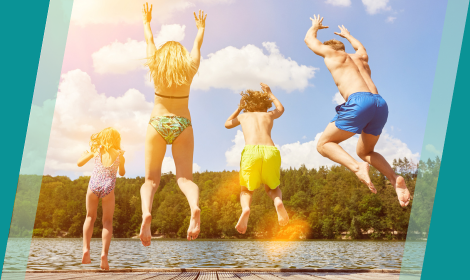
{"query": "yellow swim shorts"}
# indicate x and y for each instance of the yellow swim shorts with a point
(260, 165)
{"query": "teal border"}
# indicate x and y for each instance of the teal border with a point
(37, 135)
(448, 246)
(20, 63)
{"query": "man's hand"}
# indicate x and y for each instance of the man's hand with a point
(317, 22)
(201, 20)
(147, 13)
(344, 32)
(265, 88)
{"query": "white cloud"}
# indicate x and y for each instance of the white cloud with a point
(295, 154)
(233, 155)
(391, 19)
(432, 149)
(120, 58)
(241, 69)
(344, 3)
(375, 6)
(338, 99)
(87, 12)
(81, 111)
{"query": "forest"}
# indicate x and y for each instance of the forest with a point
(323, 203)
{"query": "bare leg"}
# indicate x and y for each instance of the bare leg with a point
(183, 149)
(91, 208)
(276, 196)
(107, 203)
(245, 201)
(155, 148)
(365, 150)
(328, 146)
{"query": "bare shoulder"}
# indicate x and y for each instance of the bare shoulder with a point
(361, 57)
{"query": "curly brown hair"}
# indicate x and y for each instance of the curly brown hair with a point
(255, 101)
(335, 44)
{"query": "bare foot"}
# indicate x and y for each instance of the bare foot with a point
(145, 233)
(242, 224)
(86, 257)
(282, 215)
(104, 262)
(363, 175)
(402, 192)
(194, 224)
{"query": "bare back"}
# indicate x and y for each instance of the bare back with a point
(362, 64)
(173, 106)
(346, 74)
(257, 128)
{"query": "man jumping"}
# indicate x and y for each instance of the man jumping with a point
(365, 111)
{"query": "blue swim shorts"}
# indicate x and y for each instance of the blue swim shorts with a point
(363, 111)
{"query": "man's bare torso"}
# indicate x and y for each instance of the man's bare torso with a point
(350, 73)
(257, 128)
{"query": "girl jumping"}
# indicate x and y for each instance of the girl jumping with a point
(106, 150)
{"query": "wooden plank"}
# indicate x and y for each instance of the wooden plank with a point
(227, 276)
(165, 276)
(210, 275)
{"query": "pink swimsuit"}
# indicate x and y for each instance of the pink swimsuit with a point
(103, 178)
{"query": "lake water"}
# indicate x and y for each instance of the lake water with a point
(129, 253)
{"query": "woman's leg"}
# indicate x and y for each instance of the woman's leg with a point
(183, 149)
(107, 203)
(91, 208)
(276, 196)
(155, 148)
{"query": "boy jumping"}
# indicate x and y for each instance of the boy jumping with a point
(261, 160)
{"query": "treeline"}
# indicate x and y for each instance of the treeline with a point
(322, 203)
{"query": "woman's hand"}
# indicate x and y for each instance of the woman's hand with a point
(201, 20)
(147, 13)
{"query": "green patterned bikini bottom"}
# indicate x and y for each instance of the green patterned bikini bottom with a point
(169, 127)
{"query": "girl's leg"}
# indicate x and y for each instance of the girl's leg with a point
(276, 196)
(91, 208)
(183, 149)
(155, 148)
(245, 201)
(107, 203)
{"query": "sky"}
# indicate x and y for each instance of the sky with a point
(104, 82)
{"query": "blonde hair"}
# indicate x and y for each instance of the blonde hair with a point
(335, 44)
(108, 138)
(255, 101)
(170, 65)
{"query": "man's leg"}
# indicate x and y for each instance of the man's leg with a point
(365, 150)
(328, 146)
(276, 196)
(245, 201)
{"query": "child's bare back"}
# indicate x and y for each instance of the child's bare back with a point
(257, 128)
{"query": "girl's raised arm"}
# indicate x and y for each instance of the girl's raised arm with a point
(201, 25)
(86, 156)
(147, 17)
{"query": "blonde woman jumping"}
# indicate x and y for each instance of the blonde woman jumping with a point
(172, 69)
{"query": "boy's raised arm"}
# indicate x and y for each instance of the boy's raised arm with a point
(356, 44)
(233, 121)
(276, 113)
(311, 38)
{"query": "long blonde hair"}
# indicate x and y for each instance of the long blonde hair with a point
(170, 65)
(108, 138)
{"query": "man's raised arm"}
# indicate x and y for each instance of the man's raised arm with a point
(311, 38)
(360, 50)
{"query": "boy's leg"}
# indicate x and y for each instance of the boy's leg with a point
(245, 201)
(155, 148)
(91, 208)
(276, 196)
(328, 146)
(365, 150)
(183, 149)
(107, 203)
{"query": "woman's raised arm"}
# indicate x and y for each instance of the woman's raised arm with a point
(147, 17)
(201, 25)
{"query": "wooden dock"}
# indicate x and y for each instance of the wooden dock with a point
(210, 274)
